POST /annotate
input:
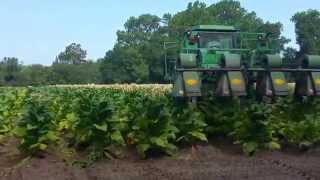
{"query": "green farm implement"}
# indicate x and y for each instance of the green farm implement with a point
(222, 61)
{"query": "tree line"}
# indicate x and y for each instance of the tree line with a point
(137, 56)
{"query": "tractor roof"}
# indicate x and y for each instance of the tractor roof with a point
(219, 28)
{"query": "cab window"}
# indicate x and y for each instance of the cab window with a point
(216, 40)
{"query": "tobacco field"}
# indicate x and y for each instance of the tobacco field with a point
(102, 121)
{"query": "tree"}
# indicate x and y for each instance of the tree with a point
(195, 14)
(144, 36)
(123, 65)
(138, 30)
(86, 73)
(73, 54)
(35, 74)
(71, 67)
(226, 12)
(10, 68)
(307, 25)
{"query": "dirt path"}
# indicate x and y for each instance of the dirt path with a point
(216, 161)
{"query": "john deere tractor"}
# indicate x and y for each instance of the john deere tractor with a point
(221, 61)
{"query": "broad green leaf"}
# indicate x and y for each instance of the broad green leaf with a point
(160, 141)
(142, 148)
(199, 135)
(4, 129)
(171, 149)
(31, 127)
(20, 131)
(71, 117)
(52, 136)
(250, 147)
(274, 146)
(34, 146)
(117, 137)
(64, 125)
(103, 127)
(43, 146)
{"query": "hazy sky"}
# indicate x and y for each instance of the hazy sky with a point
(35, 31)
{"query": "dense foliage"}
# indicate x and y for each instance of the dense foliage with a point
(307, 25)
(104, 120)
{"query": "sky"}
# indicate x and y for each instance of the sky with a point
(35, 31)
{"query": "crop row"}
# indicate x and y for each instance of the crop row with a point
(103, 121)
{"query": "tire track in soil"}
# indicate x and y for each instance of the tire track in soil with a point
(288, 168)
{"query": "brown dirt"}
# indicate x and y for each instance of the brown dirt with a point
(215, 161)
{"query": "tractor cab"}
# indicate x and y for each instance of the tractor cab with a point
(210, 37)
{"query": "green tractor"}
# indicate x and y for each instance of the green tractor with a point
(221, 61)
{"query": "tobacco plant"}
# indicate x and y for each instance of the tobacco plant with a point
(35, 127)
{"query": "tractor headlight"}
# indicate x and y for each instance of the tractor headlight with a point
(236, 81)
(191, 82)
(279, 82)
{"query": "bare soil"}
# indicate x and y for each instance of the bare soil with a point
(217, 160)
